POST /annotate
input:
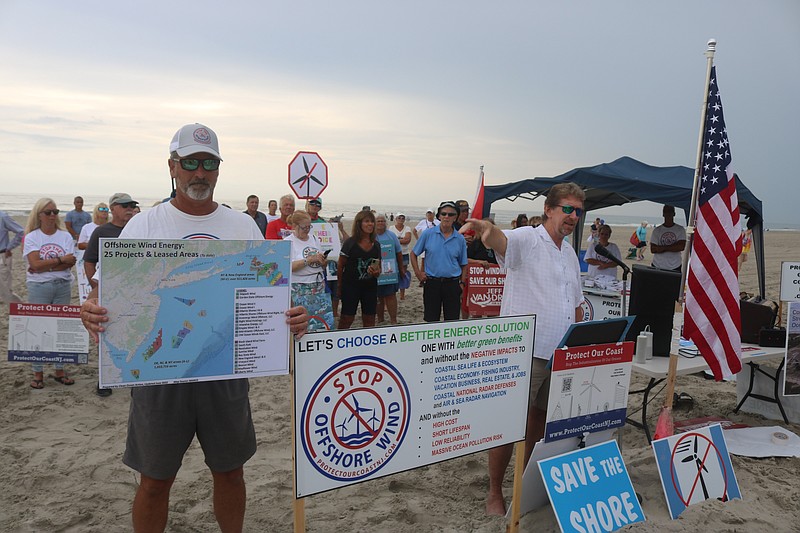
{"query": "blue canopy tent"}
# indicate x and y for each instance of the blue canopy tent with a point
(628, 180)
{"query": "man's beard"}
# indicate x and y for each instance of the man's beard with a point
(199, 190)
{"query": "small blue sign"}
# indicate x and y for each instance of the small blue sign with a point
(590, 489)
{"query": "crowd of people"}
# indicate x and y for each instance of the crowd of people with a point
(543, 277)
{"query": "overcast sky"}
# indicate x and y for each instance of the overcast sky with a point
(403, 100)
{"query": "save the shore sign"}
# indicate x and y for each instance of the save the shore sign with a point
(377, 401)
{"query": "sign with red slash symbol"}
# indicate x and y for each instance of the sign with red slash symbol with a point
(308, 175)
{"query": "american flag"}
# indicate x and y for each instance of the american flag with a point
(711, 317)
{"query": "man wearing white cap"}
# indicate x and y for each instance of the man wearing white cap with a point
(164, 419)
(430, 221)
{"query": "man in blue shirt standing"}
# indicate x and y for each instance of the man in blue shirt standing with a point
(77, 218)
(445, 265)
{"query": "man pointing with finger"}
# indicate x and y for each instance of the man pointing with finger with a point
(542, 278)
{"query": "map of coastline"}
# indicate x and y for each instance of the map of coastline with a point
(172, 305)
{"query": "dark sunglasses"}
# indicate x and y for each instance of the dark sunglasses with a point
(192, 164)
(127, 205)
(448, 214)
(568, 210)
(49, 212)
(103, 209)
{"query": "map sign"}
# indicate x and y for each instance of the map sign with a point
(193, 310)
(377, 401)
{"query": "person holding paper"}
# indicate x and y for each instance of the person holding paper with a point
(164, 419)
(599, 265)
(543, 277)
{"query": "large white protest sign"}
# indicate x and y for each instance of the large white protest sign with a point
(373, 402)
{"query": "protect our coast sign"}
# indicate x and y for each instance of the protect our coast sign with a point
(46, 333)
(590, 489)
(377, 401)
(588, 389)
(790, 281)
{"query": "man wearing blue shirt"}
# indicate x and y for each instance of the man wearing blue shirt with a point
(445, 265)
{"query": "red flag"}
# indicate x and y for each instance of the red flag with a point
(477, 209)
(711, 318)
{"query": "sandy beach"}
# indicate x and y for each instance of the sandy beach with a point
(61, 449)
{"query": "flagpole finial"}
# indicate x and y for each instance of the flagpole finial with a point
(712, 45)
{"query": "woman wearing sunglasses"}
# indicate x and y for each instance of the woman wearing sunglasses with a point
(308, 277)
(49, 250)
(99, 217)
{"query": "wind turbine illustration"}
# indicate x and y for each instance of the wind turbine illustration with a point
(343, 425)
(373, 419)
(698, 463)
(590, 387)
(305, 180)
(358, 410)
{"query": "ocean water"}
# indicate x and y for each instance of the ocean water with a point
(21, 203)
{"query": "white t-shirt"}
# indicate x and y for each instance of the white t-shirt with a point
(595, 270)
(301, 250)
(165, 221)
(663, 236)
(424, 224)
(541, 279)
(58, 244)
(400, 233)
(86, 232)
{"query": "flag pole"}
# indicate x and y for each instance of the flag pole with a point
(712, 47)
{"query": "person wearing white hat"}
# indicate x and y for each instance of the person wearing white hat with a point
(430, 221)
(165, 419)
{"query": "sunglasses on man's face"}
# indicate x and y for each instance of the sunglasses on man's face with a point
(49, 212)
(193, 164)
(448, 214)
(127, 205)
(569, 209)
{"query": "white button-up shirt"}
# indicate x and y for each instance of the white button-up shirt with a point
(541, 279)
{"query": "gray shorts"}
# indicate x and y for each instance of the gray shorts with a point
(540, 384)
(164, 419)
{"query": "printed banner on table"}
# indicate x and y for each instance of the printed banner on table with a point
(46, 333)
(590, 489)
(791, 372)
(484, 289)
(588, 389)
(388, 264)
(193, 310)
(694, 467)
(377, 401)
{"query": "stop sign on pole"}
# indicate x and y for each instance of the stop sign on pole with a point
(308, 175)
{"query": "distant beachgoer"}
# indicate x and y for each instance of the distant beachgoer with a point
(426, 223)
(599, 265)
(747, 241)
(280, 228)
(387, 294)
(521, 220)
(257, 216)
(358, 270)
(8, 225)
(272, 214)
(50, 253)
(404, 234)
(535, 221)
(641, 234)
(99, 217)
(77, 218)
(667, 242)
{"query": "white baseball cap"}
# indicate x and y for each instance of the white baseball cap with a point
(194, 139)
